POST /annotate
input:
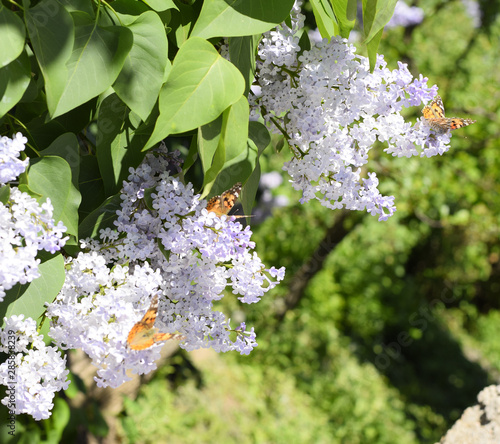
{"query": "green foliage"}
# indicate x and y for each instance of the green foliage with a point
(234, 402)
(14, 38)
(222, 18)
(93, 86)
(376, 13)
(488, 329)
(200, 80)
(393, 292)
(30, 299)
(325, 17)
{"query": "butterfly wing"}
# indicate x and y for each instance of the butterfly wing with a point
(456, 122)
(440, 125)
(159, 337)
(222, 204)
(142, 333)
(435, 110)
(434, 114)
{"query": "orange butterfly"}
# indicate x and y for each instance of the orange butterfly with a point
(222, 204)
(434, 115)
(144, 334)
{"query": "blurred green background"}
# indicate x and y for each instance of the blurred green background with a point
(383, 332)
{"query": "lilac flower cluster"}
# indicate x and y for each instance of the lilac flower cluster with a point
(40, 371)
(25, 226)
(166, 243)
(333, 110)
(10, 164)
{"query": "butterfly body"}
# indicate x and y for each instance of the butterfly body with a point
(143, 334)
(434, 115)
(222, 204)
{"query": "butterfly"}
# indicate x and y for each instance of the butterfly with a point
(144, 334)
(434, 115)
(222, 204)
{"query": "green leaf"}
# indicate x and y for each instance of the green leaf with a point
(258, 139)
(102, 217)
(304, 42)
(231, 144)
(119, 144)
(166, 253)
(50, 176)
(213, 166)
(44, 131)
(160, 5)
(140, 80)
(51, 32)
(245, 167)
(249, 192)
(241, 167)
(26, 189)
(208, 139)
(91, 185)
(242, 55)
(192, 154)
(74, 388)
(14, 80)
(76, 5)
(96, 60)
(232, 18)
(13, 36)
(280, 144)
(376, 14)
(66, 146)
(258, 136)
(181, 23)
(343, 9)
(148, 197)
(325, 18)
(4, 194)
(59, 420)
(352, 9)
(372, 47)
(235, 129)
(30, 299)
(200, 87)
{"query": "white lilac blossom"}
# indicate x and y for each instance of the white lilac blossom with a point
(25, 228)
(96, 309)
(405, 15)
(34, 372)
(10, 165)
(165, 244)
(332, 110)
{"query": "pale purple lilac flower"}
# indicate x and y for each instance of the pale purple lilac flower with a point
(39, 371)
(10, 165)
(25, 228)
(172, 248)
(335, 110)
